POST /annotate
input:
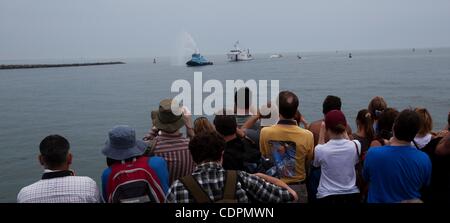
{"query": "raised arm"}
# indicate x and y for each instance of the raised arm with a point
(279, 183)
(251, 122)
(322, 133)
(187, 116)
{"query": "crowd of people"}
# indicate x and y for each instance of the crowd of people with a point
(242, 156)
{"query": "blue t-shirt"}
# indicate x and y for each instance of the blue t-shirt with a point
(396, 173)
(158, 164)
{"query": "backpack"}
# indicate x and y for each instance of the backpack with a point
(200, 196)
(134, 182)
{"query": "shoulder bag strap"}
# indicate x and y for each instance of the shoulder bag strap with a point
(230, 185)
(150, 150)
(200, 196)
(357, 151)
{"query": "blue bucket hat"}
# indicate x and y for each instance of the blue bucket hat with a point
(121, 143)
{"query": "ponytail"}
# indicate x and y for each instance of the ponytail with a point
(364, 119)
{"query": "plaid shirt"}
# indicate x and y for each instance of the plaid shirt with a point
(211, 178)
(69, 189)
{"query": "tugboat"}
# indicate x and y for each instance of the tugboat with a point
(198, 60)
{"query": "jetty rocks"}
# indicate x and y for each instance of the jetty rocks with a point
(29, 66)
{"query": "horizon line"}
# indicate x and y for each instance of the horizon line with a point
(216, 54)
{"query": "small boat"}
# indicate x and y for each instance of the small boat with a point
(350, 55)
(299, 57)
(239, 55)
(198, 60)
(276, 56)
(154, 60)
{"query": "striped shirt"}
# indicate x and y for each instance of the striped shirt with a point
(68, 189)
(173, 147)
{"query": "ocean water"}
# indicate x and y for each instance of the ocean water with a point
(83, 103)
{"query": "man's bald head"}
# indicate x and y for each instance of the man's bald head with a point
(287, 104)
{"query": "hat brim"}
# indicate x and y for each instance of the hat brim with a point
(168, 127)
(123, 154)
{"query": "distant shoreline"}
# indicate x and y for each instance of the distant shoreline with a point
(29, 66)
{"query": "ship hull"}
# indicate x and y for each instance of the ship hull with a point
(238, 57)
(197, 64)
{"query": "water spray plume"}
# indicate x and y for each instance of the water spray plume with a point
(185, 47)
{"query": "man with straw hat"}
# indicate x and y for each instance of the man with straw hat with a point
(170, 143)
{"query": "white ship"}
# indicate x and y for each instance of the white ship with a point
(276, 56)
(239, 55)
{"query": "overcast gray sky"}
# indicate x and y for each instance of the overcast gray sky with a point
(146, 28)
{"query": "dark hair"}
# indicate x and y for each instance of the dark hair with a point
(247, 97)
(385, 123)
(225, 124)
(364, 119)
(287, 104)
(110, 161)
(331, 102)
(338, 129)
(206, 146)
(54, 150)
(376, 106)
(406, 125)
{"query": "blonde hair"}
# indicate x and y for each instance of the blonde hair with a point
(202, 124)
(426, 122)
